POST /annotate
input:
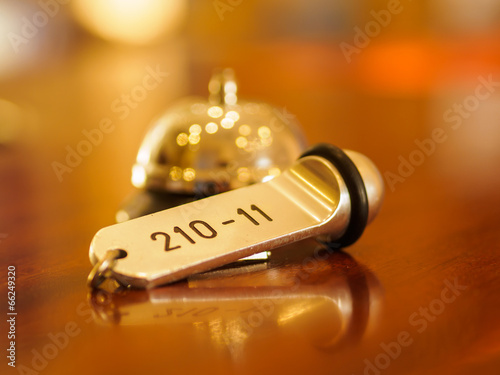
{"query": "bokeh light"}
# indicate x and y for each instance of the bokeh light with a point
(30, 35)
(175, 173)
(130, 21)
(227, 123)
(211, 128)
(182, 139)
(189, 174)
(215, 112)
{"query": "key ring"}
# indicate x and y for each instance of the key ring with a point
(104, 267)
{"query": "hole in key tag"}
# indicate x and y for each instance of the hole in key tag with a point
(326, 193)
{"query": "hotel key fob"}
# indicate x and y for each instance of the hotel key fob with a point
(241, 152)
(326, 193)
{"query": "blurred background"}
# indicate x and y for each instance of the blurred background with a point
(374, 76)
(63, 65)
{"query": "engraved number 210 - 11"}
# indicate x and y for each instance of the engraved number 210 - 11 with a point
(204, 230)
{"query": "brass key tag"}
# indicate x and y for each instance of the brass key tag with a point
(324, 192)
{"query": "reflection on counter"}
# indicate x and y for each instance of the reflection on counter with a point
(305, 291)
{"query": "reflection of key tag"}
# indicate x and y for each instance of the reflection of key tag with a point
(329, 300)
(325, 193)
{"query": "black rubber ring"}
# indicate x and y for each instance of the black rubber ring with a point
(355, 186)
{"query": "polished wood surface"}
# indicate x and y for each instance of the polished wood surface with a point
(419, 293)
